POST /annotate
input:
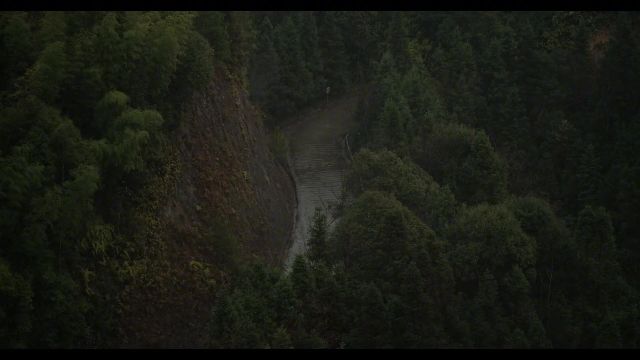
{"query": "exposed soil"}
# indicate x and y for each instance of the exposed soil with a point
(228, 182)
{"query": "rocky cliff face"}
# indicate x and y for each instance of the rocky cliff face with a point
(227, 199)
(228, 171)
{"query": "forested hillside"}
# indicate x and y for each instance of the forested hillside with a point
(494, 191)
(135, 176)
(492, 199)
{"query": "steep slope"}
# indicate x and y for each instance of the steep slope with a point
(230, 171)
(226, 201)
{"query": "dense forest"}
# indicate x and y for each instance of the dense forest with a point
(492, 200)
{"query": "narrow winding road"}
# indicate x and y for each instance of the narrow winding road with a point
(317, 162)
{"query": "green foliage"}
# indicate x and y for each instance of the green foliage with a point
(384, 171)
(394, 122)
(60, 312)
(296, 78)
(427, 108)
(471, 99)
(454, 65)
(362, 41)
(85, 101)
(108, 108)
(588, 177)
(281, 340)
(595, 238)
(490, 249)
(264, 70)
(247, 316)
(377, 229)
(15, 314)
(318, 234)
(464, 159)
(553, 242)
(89, 102)
(489, 237)
(333, 50)
(212, 25)
(17, 46)
(53, 28)
(45, 78)
(128, 136)
(242, 34)
(297, 55)
(195, 66)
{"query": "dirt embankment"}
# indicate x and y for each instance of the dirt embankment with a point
(228, 170)
(228, 199)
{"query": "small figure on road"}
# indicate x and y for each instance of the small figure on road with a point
(328, 90)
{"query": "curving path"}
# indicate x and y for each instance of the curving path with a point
(317, 161)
